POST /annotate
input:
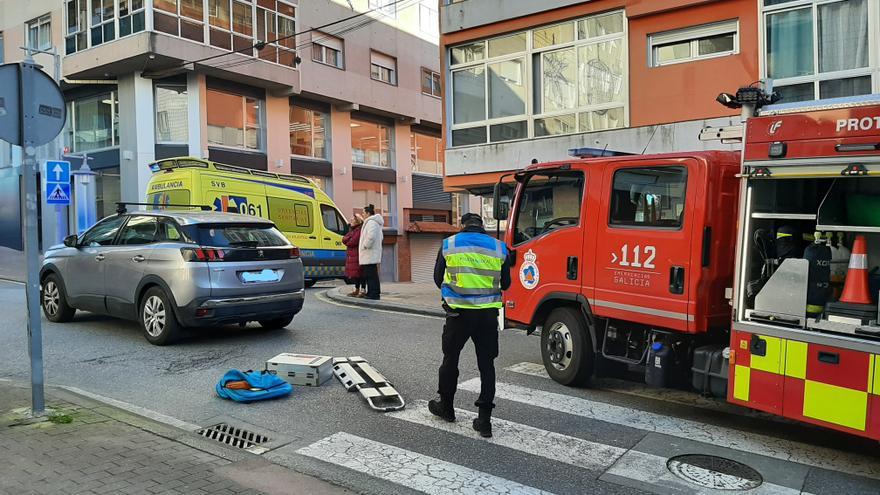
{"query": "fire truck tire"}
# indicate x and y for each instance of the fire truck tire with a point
(566, 348)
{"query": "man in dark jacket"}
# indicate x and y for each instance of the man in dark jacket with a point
(472, 269)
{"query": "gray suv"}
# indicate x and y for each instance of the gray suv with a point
(169, 270)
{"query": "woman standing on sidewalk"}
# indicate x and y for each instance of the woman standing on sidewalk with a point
(352, 263)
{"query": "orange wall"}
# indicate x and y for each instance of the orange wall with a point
(687, 91)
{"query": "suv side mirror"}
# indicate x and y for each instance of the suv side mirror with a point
(500, 204)
(71, 240)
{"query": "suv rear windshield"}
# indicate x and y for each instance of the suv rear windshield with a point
(237, 235)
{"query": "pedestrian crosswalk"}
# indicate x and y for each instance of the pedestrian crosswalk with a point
(639, 464)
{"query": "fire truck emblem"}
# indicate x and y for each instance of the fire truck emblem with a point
(775, 126)
(529, 275)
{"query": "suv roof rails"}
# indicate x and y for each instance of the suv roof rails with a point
(121, 206)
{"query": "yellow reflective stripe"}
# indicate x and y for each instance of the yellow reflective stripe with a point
(495, 305)
(741, 377)
(473, 281)
(772, 360)
(874, 375)
(837, 405)
(813, 308)
(796, 359)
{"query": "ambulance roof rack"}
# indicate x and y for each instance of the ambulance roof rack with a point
(192, 162)
(121, 206)
(826, 104)
(595, 152)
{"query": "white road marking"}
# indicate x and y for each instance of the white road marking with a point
(524, 438)
(690, 399)
(410, 469)
(651, 470)
(140, 411)
(684, 428)
(10, 281)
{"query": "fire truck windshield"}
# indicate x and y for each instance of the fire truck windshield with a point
(547, 203)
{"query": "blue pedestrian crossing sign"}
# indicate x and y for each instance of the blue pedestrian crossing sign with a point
(57, 182)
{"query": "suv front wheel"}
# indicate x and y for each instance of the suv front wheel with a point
(54, 301)
(157, 317)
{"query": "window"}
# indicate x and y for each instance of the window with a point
(291, 215)
(370, 143)
(139, 230)
(169, 231)
(131, 17)
(427, 154)
(377, 194)
(169, 197)
(76, 37)
(328, 50)
(548, 203)
(322, 182)
(1, 47)
(560, 79)
(234, 121)
(171, 114)
(333, 220)
(235, 235)
(429, 19)
(431, 83)
(383, 68)
(103, 233)
(92, 123)
(387, 7)
(649, 197)
(39, 33)
(695, 43)
(307, 132)
(820, 49)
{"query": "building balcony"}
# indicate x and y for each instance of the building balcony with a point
(466, 14)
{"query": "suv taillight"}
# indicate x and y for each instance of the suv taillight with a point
(294, 252)
(202, 254)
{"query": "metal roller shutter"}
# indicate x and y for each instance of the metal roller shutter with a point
(423, 253)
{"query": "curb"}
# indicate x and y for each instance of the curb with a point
(336, 295)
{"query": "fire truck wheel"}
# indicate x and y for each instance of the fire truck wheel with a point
(566, 348)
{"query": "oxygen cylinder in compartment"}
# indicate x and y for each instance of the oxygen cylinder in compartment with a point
(819, 275)
(657, 373)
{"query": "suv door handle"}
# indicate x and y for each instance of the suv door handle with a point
(676, 280)
(137, 259)
(99, 257)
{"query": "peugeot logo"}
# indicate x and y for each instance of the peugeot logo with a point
(775, 126)
(259, 253)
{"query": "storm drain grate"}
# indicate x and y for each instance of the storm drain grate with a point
(715, 472)
(235, 437)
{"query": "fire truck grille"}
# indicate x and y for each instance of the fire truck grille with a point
(714, 472)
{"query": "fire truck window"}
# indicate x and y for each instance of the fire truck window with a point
(548, 203)
(649, 197)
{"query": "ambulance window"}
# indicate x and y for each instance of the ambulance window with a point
(171, 197)
(548, 203)
(333, 221)
(649, 197)
(290, 215)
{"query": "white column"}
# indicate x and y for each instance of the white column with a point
(194, 90)
(137, 140)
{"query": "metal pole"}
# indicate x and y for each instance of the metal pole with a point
(30, 198)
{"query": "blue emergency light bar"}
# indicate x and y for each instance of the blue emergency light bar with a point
(595, 152)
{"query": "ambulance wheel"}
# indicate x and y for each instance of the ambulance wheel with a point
(310, 282)
(566, 348)
(276, 323)
(157, 317)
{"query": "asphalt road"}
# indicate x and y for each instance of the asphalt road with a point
(615, 438)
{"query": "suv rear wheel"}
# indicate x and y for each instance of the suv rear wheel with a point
(157, 317)
(276, 322)
(566, 348)
(54, 301)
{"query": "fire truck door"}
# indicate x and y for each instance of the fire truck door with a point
(548, 241)
(643, 255)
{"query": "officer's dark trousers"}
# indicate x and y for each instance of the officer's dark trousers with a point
(481, 326)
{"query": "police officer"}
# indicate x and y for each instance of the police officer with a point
(471, 271)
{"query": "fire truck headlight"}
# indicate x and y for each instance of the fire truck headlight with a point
(777, 149)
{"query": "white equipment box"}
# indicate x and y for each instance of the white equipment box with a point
(301, 369)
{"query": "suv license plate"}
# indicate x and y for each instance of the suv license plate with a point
(260, 276)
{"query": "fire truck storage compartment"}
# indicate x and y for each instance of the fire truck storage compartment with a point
(780, 287)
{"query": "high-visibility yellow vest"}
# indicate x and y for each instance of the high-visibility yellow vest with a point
(473, 271)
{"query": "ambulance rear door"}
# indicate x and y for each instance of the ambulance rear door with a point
(643, 246)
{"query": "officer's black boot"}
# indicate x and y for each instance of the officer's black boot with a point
(442, 408)
(483, 422)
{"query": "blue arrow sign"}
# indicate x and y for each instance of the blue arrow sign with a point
(58, 171)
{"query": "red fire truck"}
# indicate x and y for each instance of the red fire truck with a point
(637, 262)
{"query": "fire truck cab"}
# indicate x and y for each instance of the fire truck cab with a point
(613, 254)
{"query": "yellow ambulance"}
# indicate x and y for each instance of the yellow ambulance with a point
(299, 208)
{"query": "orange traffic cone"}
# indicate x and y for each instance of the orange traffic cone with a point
(855, 290)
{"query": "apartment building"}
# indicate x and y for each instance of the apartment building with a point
(530, 80)
(346, 92)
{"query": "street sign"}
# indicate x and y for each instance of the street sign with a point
(57, 182)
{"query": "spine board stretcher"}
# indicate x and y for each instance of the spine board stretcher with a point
(355, 373)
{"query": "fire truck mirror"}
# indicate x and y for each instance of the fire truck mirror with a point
(500, 201)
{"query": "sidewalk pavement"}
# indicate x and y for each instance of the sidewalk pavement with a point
(12, 265)
(88, 447)
(416, 298)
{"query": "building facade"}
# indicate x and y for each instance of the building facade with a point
(346, 92)
(531, 80)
